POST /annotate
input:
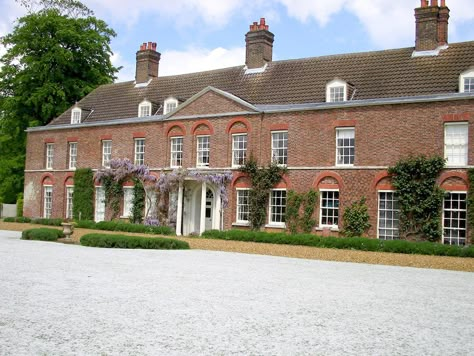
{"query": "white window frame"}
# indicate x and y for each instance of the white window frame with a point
(321, 207)
(455, 240)
(241, 209)
(340, 149)
(332, 86)
(106, 153)
(72, 155)
(69, 201)
(281, 160)
(127, 202)
(144, 108)
(170, 105)
(49, 155)
(395, 217)
(202, 151)
(139, 151)
(469, 75)
(239, 154)
(176, 151)
(47, 201)
(448, 152)
(76, 115)
(271, 222)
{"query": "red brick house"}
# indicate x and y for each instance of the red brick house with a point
(337, 122)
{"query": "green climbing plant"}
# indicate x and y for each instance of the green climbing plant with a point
(299, 211)
(138, 202)
(262, 179)
(356, 219)
(83, 194)
(420, 198)
(113, 194)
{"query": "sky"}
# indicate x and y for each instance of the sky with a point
(196, 35)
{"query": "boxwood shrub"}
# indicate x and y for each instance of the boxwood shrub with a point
(20, 219)
(43, 234)
(353, 243)
(125, 227)
(50, 222)
(122, 241)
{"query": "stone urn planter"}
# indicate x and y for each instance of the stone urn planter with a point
(68, 229)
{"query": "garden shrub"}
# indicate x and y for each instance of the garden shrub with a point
(83, 194)
(350, 243)
(125, 227)
(43, 234)
(20, 219)
(132, 242)
(44, 221)
(19, 205)
(356, 219)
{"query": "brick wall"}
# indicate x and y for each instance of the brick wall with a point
(383, 135)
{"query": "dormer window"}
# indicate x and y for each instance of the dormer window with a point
(170, 105)
(466, 81)
(76, 115)
(144, 109)
(336, 91)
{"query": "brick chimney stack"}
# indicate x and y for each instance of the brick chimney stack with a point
(431, 25)
(148, 60)
(259, 42)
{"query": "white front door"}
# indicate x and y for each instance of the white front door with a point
(99, 204)
(209, 209)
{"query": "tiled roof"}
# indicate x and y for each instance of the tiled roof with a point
(380, 74)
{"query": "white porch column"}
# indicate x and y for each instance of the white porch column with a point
(202, 225)
(179, 213)
(218, 216)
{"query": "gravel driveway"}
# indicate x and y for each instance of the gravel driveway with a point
(60, 299)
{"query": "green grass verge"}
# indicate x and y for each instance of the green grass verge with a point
(42, 233)
(354, 243)
(122, 241)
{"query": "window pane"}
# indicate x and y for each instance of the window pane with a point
(456, 144)
(454, 219)
(345, 146)
(280, 147)
(239, 149)
(329, 211)
(388, 216)
(277, 206)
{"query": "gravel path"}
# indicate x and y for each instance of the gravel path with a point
(58, 299)
(382, 258)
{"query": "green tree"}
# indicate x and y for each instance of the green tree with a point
(54, 57)
(83, 194)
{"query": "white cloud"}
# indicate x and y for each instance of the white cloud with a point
(189, 61)
(321, 11)
(199, 59)
(182, 12)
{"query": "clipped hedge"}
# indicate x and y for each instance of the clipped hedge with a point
(49, 222)
(132, 242)
(353, 243)
(20, 219)
(125, 227)
(43, 234)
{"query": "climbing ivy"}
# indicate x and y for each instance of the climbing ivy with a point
(83, 194)
(138, 202)
(470, 203)
(420, 198)
(262, 179)
(356, 219)
(300, 210)
(113, 194)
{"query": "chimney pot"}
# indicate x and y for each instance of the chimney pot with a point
(434, 2)
(259, 45)
(443, 3)
(148, 60)
(431, 25)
